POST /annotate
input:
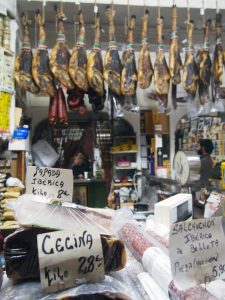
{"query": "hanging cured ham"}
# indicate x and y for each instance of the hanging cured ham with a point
(40, 66)
(95, 63)
(23, 63)
(205, 66)
(60, 55)
(175, 63)
(129, 70)
(190, 71)
(78, 60)
(218, 54)
(161, 70)
(145, 69)
(112, 63)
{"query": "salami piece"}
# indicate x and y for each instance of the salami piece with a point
(194, 293)
(135, 239)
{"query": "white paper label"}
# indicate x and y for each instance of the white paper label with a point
(50, 183)
(197, 252)
(69, 257)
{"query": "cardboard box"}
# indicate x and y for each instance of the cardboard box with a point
(19, 145)
(153, 118)
(163, 119)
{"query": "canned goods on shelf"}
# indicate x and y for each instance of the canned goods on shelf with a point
(6, 22)
(6, 33)
(6, 44)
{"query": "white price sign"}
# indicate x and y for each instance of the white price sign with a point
(50, 183)
(65, 257)
(197, 251)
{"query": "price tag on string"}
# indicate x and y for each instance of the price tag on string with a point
(70, 257)
(197, 251)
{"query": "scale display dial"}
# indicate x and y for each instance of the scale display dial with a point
(181, 167)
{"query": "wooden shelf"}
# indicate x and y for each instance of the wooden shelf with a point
(130, 203)
(124, 152)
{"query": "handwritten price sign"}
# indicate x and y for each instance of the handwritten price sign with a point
(65, 257)
(197, 251)
(50, 183)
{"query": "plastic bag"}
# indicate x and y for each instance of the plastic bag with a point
(12, 181)
(109, 288)
(21, 291)
(44, 153)
(29, 212)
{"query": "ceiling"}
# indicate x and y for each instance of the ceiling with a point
(71, 9)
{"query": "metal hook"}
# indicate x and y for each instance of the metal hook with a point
(95, 7)
(43, 11)
(159, 9)
(217, 7)
(188, 11)
(202, 11)
(78, 3)
(128, 10)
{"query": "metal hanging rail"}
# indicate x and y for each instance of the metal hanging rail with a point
(209, 4)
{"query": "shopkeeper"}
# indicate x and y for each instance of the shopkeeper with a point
(80, 165)
(204, 149)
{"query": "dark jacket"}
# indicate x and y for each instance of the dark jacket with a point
(205, 169)
(79, 170)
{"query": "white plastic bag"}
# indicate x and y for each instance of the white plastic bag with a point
(44, 154)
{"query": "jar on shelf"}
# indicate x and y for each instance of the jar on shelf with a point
(6, 33)
(1, 29)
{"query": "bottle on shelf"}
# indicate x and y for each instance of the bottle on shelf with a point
(151, 163)
(159, 157)
(117, 199)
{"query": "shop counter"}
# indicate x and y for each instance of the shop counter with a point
(90, 192)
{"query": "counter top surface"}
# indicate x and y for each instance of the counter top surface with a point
(162, 180)
(90, 180)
